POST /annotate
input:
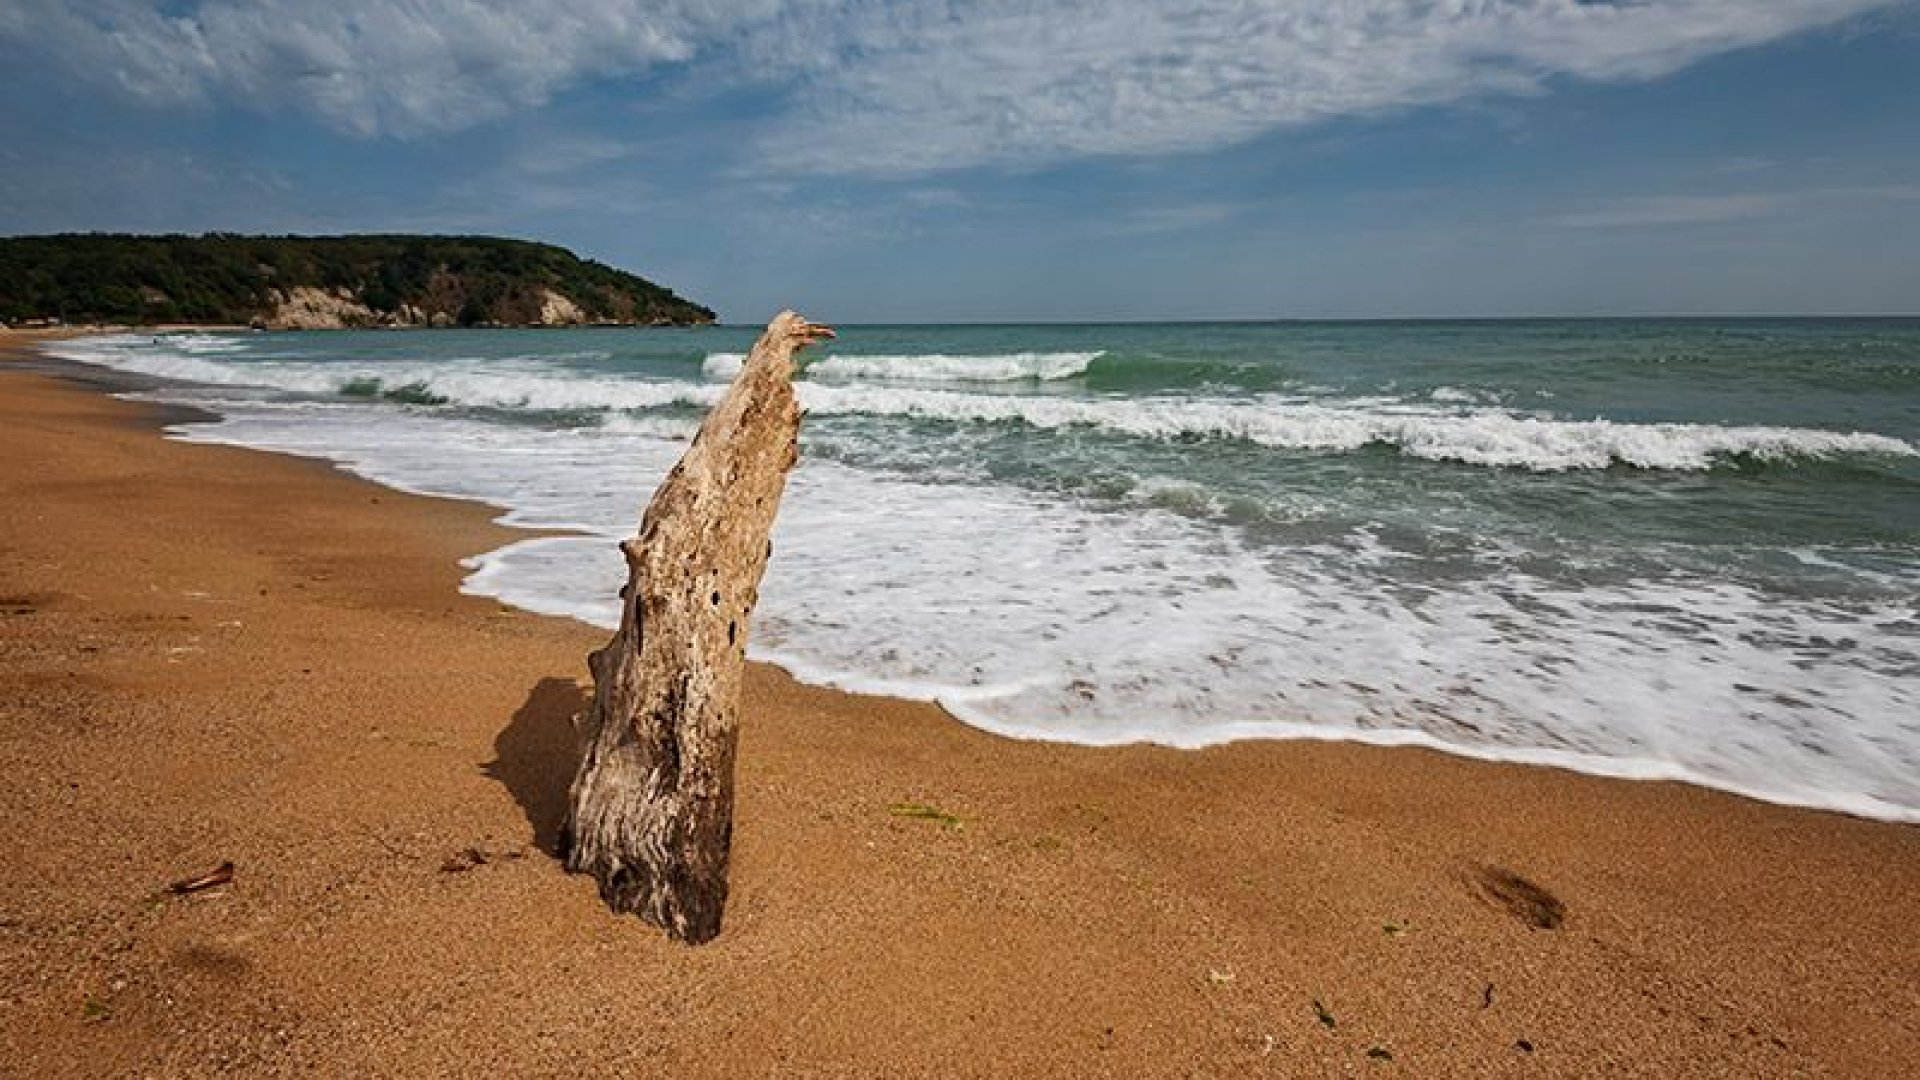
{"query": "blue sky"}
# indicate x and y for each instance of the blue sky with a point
(867, 160)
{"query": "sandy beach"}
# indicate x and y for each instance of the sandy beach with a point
(214, 655)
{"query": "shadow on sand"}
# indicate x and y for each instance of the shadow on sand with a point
(535, 756)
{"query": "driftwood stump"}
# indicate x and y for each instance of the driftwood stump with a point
(651, 810)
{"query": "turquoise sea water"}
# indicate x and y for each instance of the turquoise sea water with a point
(1682, 548)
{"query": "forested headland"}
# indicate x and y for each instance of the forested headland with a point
(323, 281)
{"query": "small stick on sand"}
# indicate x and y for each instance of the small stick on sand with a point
(218, 876)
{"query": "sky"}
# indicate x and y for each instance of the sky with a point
(971, 160)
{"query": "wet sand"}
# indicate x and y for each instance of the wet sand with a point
(210, 654)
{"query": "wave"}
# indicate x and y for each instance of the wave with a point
(1473, 436)
(203, 343)
(654, 425)
(927, 367)
(497, 387)
(526, 390)
(134, 355)
(1487, 438)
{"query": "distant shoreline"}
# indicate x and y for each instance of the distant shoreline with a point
(78, 329)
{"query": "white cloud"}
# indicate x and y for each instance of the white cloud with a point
(905, 86)
(1049, 79)
(399, 67)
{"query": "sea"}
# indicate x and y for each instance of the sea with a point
(1679, 549)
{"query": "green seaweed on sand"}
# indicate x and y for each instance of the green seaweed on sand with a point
(925, 813)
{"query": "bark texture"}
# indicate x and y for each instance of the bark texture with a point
(651, 809)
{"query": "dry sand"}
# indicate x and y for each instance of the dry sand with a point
(209, 654)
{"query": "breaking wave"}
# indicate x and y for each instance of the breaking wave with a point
(1489, 438)
(927, 367)
(1481, 436)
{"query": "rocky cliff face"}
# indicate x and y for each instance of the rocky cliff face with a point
(557, 310)
(305, 307)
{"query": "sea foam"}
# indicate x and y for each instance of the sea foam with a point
(1034, 615)
(1107, 628)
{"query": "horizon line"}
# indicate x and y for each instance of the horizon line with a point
(1323, 319)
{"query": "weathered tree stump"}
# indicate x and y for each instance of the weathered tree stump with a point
(651, 810)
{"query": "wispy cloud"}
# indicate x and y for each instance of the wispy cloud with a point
(1661, 211)
(1160, 219)
(1650, 211)
(1038, 81)
(870, 86)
